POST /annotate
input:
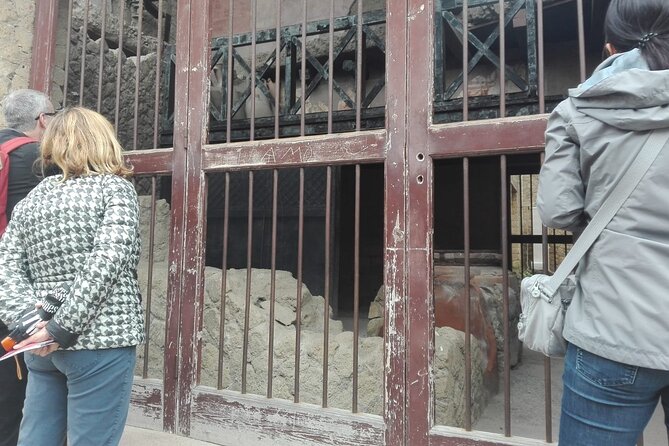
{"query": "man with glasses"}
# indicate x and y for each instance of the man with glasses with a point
(27, 113)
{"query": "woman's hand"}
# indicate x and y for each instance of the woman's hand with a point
(40, 335)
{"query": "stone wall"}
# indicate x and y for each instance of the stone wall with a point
(448, 369)
(16, 26)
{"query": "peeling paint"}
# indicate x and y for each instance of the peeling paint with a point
(415, 14)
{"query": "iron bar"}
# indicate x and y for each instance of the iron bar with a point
(358, 68)
(277, 72)
(303, 69)
(103, 44)
(224, 277)
(520, 221)
(149, 278)
(249, 265)
(467, 295)
(548, 408)
(119, 65)
(465, 63)
(84, 40)
(228, 112)
(581, 39)
(135, 127)
(505, 294)
(356, 289)
(326, 286)
(540, 51)
(159, 57)
(272, 294)
(298, 304)
(254, 29)
(330, 67)
(68, 44)
(502, 61)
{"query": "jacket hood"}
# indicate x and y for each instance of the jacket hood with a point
(624, 93)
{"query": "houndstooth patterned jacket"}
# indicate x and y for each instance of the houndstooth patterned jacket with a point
(83, 232)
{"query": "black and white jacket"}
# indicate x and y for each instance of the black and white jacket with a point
(83, 232)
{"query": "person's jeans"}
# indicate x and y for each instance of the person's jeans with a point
(82, 394)
(606, 402)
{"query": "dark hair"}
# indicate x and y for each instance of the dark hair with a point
(642, 24)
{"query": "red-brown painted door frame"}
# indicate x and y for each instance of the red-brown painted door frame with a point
(411, 142)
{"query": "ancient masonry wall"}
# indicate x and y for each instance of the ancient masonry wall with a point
(16, 26)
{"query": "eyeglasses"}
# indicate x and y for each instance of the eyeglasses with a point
(46, 114)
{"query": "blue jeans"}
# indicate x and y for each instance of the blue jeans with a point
(82, 394)
(606, 402)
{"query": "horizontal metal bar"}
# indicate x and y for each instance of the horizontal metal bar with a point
(489, 137)
(313, 28)
(364, 147)
(156, 161)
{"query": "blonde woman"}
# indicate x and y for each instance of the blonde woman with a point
(79, 230)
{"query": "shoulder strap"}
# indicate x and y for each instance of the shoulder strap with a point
(14, 144)
(657, 141)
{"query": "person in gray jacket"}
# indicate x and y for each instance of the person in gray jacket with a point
(77, 230)
(617, 361)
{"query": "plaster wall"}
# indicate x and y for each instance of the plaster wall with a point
(16, 30)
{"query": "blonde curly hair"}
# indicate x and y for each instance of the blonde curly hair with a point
(82, 142)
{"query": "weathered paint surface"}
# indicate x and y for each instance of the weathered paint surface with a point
(407, 146)
(257, 421)
(489, 137)
(314, 150)
(44, 45)
(150, 162)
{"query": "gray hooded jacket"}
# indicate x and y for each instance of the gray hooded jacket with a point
(621, 309)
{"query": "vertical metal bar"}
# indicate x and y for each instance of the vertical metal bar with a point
(149, 278)
(68, 44)
(505, 294)
(159, 57)
(520, 221)
(581, 39)
(135, 127)
(330, 68)
(224, 279)
(502, 61)
(358, 69)
(326, 286)
(290, 68)
(356, 289)
(277, 72)
(303, 68)
(119, 65)
(249, 265)
(230, 99)
(84, 41)
(298, 304)
(468, 303)
(272, 293)
(531, 254)
(103, 38)
(465, 60)
(548, 407)
(540, 51)
(252, 98)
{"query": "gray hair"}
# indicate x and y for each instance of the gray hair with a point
(21, 107)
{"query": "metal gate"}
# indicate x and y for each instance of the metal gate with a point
(432, 153)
